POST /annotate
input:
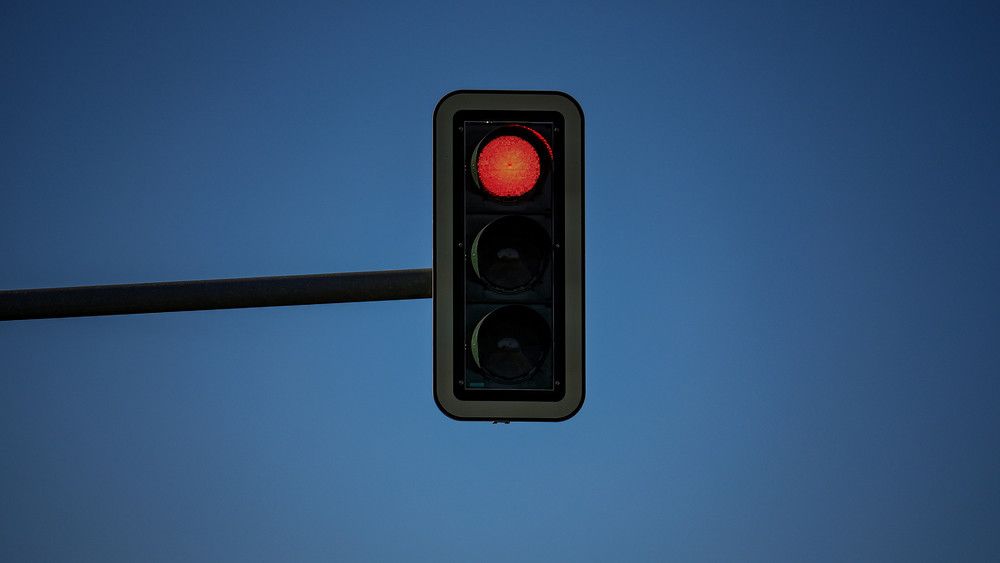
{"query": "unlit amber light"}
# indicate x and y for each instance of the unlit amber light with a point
(508, 167)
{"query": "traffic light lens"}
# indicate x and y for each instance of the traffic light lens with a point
(510, 254)
(508, 167)
(510, 343)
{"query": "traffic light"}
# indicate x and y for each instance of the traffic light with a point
(508, 256)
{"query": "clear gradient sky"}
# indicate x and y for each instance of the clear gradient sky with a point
(793, 263)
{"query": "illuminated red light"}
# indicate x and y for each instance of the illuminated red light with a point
(508, 167)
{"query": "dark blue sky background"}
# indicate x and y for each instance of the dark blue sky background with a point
(793, 262)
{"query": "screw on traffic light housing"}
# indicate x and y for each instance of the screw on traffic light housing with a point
(508, 256)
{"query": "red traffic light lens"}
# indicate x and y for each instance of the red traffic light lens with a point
(508, 167)
(511, 162)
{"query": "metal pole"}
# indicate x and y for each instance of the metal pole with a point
(163, 297)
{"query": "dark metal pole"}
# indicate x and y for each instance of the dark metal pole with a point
(163, 297)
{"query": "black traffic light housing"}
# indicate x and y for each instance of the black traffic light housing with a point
(508, 256)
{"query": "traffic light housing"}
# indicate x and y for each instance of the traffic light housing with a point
(508, 256)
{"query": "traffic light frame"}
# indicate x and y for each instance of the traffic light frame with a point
(508, 255)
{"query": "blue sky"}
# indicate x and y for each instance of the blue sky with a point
(793, 255)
